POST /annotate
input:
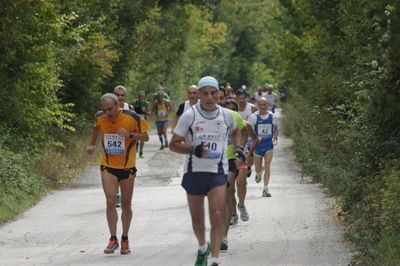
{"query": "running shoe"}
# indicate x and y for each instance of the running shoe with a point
(202, 257)
(162, 147)
(224, 244)
(244, 216)
(112, 246)
(125, 247)
(234, 219)
(140, 154)
(166, 144)
(118, 200)
(258, 178)
(266, 193)
(214, 264)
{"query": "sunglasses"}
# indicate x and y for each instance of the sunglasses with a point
(120, 95)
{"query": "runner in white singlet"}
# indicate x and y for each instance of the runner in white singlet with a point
(202, 133)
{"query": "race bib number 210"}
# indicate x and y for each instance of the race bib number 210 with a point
(114, 144)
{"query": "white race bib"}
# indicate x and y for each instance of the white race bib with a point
(214, 142)
(161, 113)
(114, 144)
(264, 130)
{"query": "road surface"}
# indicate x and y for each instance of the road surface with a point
(68, 227)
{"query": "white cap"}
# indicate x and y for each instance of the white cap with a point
(208, 81)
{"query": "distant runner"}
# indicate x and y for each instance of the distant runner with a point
(245, 109)
(142, 108)
(236, 161)
(161, 109)
(120, 130)
(271, 98)
(201, 133)
(282, 92)
(265, 124)
(121, 93)
(183, 107)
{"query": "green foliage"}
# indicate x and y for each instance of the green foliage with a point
(19, 187)
(344, 110)
(175, 47)
(28, 74)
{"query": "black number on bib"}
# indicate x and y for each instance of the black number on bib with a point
(212, 146)
(114, 143)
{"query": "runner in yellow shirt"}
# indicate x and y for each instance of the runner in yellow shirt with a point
(161, 109)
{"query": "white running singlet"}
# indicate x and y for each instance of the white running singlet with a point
(246, 112)
(212, 128)
(126, 106)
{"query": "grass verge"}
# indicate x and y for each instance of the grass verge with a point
(23, 182)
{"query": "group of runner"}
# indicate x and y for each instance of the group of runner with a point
(222, 135)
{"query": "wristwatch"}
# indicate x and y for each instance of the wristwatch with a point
(131, 135)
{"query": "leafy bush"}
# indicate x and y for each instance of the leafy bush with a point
(19, 186)
(344, 114)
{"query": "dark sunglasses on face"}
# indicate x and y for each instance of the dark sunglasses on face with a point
(122, 95)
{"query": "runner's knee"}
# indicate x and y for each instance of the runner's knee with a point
(216, 216)
(126, 206)
(110, 201)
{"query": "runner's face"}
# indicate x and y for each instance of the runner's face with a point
(160, 95)
(121, 96)
(241, 100)
(192, 94)
(262, 106)
(221, 98)
(141, 97)
(110, 108)
(208, 98)
(229, 106)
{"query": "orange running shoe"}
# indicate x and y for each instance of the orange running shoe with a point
(112, 246)
(125, 247)
(242, 166)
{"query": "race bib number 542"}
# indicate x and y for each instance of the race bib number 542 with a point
(114, 144)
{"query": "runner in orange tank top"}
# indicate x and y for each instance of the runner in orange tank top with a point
(120, 130)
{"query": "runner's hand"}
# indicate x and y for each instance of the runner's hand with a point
(123, 132)
(200, 150)
(91, 149)
(240, 154)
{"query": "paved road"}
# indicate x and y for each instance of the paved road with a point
(68, 227)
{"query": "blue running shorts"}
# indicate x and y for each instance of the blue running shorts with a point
(200, 183)
(161, 123)
(260, 151)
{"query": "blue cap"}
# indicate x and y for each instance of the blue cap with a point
(208, 81)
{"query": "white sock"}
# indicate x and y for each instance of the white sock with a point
(266, 188)
(203, 248)
(213, 260)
